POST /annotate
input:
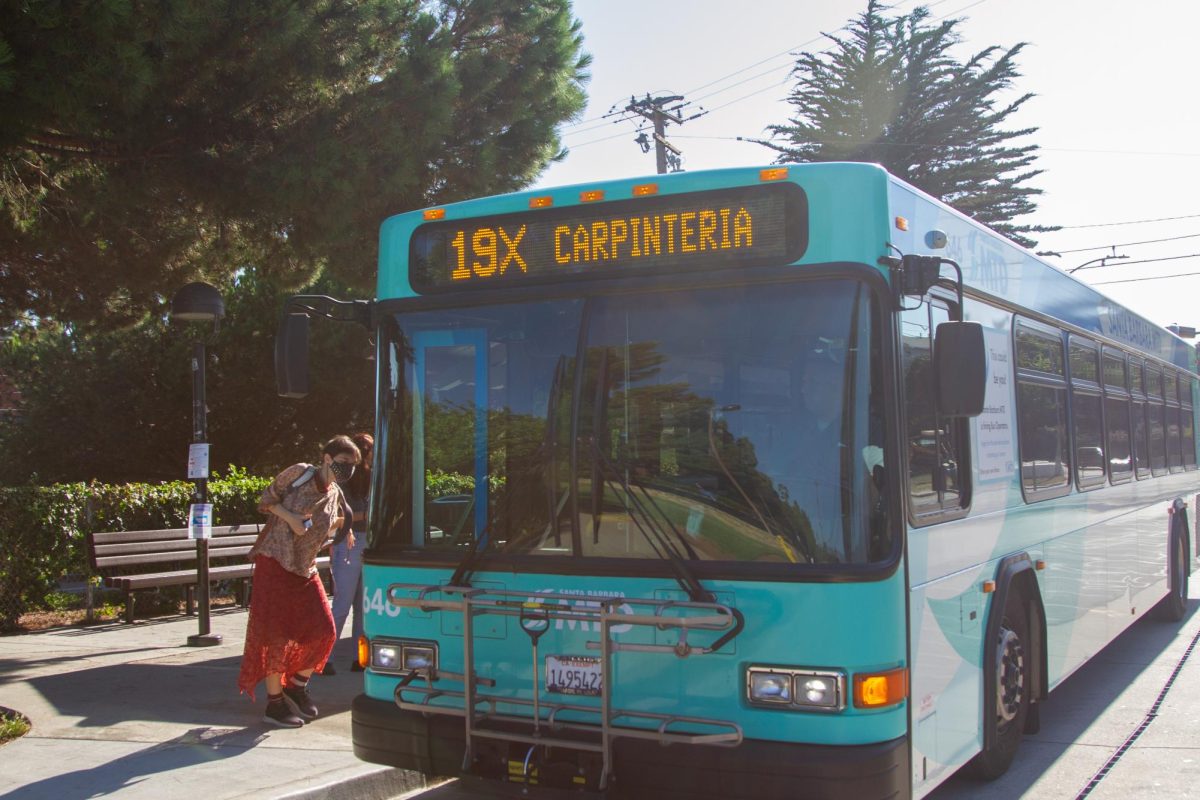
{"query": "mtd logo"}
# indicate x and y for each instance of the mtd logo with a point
(586, 602)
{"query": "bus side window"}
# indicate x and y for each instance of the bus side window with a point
(936, 467)
(1042, 412)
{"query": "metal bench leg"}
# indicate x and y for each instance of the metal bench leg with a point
(129, 606)
(190, 603)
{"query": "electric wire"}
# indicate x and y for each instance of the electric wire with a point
(1128, 244)
(1147, 278)
(1129, 222)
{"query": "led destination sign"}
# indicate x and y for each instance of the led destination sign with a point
(743, 226)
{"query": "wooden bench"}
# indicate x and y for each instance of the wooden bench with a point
(121, 557)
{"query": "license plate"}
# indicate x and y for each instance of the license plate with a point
(574, 675)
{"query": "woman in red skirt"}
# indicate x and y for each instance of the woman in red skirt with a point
(290, 631)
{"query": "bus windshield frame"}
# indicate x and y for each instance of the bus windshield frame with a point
(710, 464)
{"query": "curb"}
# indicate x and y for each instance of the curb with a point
(382, 784)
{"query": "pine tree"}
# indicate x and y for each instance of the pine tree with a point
(890, 92)
(143, 145)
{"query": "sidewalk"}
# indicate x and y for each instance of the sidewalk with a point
(132, 710)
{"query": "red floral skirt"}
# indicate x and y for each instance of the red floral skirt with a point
(290, 627)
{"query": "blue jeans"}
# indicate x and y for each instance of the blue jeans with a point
(346, 566)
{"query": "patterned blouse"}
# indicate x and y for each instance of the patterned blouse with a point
(298, 554)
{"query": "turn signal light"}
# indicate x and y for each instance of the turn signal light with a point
(364, 652)
(879, 689)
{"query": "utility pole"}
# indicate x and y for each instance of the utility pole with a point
(666, 155)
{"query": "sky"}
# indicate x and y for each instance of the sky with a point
(1117, 111)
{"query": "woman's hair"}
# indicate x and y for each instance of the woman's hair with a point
(341, 446)
(360, 482)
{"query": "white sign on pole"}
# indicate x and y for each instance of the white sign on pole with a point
(197, 461)
(200, 521)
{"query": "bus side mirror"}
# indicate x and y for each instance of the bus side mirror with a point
(291, 356)
(961, 366)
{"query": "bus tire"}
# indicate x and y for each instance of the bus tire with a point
(1172, 607)
(1010, 657)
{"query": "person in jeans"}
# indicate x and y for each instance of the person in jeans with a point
(290, 630)
(346, 555)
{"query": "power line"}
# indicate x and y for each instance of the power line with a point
(772, 86)
(1128, 244)
(1149, 261)
(1130, 222)
(1150, 278)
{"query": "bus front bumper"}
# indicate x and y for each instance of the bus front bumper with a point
(433, 745)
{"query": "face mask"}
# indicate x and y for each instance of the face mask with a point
(341, 472)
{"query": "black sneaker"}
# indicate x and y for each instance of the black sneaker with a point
(297, 697)
(281, 716)
(355, 666)
(328, 669)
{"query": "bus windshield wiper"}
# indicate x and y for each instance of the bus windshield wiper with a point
(712, 448)
(468, 563)
(653, 531)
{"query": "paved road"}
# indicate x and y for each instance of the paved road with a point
(1090, 727)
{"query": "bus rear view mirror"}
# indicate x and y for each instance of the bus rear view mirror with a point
(291, 356)
(961, 368)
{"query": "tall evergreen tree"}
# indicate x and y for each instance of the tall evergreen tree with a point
(890, 92)
(146, 144)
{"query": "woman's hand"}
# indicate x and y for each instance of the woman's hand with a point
(296, 523)
(350, 540)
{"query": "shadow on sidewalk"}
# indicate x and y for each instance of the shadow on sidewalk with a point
(11, 669)
(197, 746)
(158, 691)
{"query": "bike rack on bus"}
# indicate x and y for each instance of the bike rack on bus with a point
(591, 734)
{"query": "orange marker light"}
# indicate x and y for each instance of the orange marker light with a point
(364, 652)
(901, 223)
(988, 587)
(541, 202)
(879, 689)
(434, 213)
(646, 189)
(773, 174)
(591, 196)
(1039, 564)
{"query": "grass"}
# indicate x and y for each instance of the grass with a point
(12, 725)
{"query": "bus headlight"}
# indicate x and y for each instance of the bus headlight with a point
(421, 658)
(385, 656)
(796, 688)
(817, 690)
(398, 656)
(770, 687)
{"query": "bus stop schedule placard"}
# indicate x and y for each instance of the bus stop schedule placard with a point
(743, 226)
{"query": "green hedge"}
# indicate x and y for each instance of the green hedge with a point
(42, 529)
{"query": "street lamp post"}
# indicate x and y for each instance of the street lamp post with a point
(200, 302)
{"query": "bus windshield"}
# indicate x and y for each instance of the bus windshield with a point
(738, 423)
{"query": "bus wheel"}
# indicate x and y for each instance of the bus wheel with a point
(1009, 708)
(1172, 607)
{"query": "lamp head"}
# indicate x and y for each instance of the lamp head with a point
(197, 302)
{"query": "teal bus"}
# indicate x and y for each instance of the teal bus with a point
(772, 482)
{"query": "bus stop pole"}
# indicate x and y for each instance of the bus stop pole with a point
(204, 638)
